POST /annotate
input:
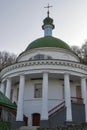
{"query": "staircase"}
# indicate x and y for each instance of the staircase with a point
(57, 115)
(79, 126)
(27, 128)
(56, 109)
(71, 126)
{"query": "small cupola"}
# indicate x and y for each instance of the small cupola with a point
(48, 25)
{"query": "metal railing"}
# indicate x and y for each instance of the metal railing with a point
(55, 109)
(77, 100)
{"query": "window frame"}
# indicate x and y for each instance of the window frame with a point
(38, 92)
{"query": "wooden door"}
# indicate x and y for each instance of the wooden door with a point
(35, 119)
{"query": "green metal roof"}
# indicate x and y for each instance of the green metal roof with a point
(48, 41)
(48, 21)
(4, 101)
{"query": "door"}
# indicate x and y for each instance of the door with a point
(35, 119)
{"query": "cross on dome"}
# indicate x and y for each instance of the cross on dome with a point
(48, 9)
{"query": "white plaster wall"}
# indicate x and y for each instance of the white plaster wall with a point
(14, 97)
(55, 93)
(54, 53)
(31, 104)
(73, 88)
(55, 96)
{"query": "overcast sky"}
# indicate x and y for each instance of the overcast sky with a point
(21, 21)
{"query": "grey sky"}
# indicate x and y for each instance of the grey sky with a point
(21, 21)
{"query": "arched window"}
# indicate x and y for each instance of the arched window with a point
(40, 57)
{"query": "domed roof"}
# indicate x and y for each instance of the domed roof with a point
(48, 41)
(48, 21)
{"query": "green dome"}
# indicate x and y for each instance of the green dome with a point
(48, 21)
(48, 41)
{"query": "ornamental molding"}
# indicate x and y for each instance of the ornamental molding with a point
(43, 62)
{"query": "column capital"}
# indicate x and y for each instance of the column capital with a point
(84, 77)
(45, 72)
(66, 73)
(8, 78)
(21, 74)
(3, 80)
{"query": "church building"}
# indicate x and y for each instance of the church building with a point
(47, 82)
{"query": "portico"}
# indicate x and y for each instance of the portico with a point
(45, 78)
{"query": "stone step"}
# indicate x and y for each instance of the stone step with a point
(28, 128)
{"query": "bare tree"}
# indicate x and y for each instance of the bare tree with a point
(81, 52)
(6, 59)
(84, 52)
(76, 50)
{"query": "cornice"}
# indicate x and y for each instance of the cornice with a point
(43, 62)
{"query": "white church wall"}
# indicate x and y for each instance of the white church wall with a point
(33, 105)
(73, 90)
(14, 96)
(54, 53)
(55, 95)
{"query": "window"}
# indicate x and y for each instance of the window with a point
(38, 91)
(49, 57)
(39, 57)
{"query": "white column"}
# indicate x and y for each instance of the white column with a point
(19, 116)
(67, 98)
(84, 95)
(44, 114)
(8, 88)
(14, 97)
(2, 87)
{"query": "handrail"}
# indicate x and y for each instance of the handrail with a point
(77, 100)
(57, 108)
(62, 104)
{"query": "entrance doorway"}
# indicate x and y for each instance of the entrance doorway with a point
(36, 119)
